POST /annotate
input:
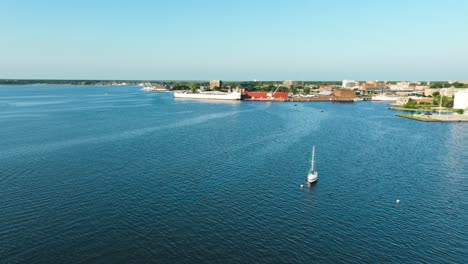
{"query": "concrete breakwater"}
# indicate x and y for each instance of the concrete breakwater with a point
(436, 118)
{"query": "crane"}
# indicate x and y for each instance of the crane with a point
(270, 94)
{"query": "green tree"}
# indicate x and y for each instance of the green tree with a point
(447, 101)
(307, 90)
(194, 87)
(435, 99)
(412, 104)
(179, 86)
(283, 89)
(216, 88)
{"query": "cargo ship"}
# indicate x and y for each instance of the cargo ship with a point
(209, 95)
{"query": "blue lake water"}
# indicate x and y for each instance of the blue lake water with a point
(117, 175)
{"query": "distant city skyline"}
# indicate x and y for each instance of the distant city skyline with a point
(238, 40)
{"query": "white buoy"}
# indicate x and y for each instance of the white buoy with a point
(302, 185)
(397, 201)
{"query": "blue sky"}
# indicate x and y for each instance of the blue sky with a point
(235, 40)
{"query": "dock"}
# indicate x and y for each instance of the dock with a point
(291, 99)
(303, 99)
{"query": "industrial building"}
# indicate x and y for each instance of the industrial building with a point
(264, 95)
(344, 95)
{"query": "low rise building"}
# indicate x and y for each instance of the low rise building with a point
(449, 92)
(418, 100)
(400, 86)
(373, 85)
(420, 87)
(350, 84)
(326, 88)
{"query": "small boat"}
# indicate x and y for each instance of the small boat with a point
(313, 174)
(161, 88)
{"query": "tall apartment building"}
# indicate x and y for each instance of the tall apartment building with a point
(215, 83)
(289, 83)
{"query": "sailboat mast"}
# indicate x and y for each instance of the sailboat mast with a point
(313, 154)
(440, 99)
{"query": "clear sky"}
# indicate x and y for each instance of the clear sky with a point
(235, 40)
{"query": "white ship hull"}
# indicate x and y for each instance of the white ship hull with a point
(154, 89)
(384, 98)
(209, 95)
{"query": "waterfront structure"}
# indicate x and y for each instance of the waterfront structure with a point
(215, 83)
(326, 88)
(325, 93)
(460, 100)
(350, 84)
(265, 95)
(289, 83)
(344, 95)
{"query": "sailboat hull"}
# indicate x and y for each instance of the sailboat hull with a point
(312, 177)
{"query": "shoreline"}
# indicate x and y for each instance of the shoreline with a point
(430, 118)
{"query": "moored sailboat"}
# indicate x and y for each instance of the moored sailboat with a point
(312, 176)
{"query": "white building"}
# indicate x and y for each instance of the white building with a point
(400, 86)
(350, 84)
(460, 100)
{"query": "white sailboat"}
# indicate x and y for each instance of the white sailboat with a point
(313, 174)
